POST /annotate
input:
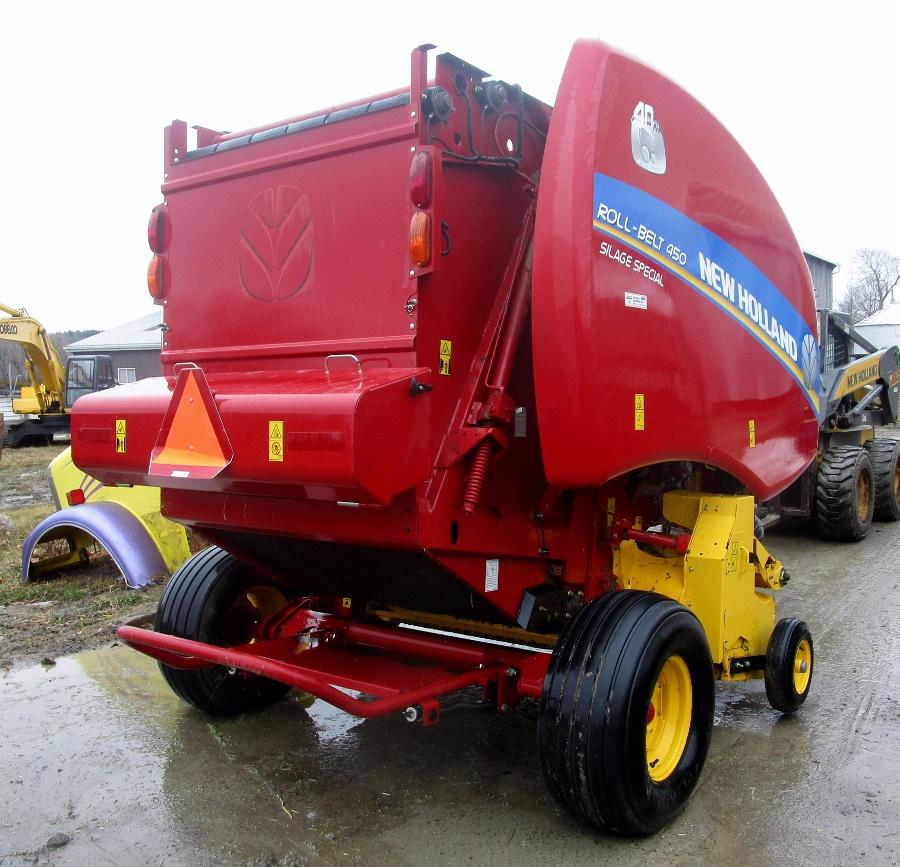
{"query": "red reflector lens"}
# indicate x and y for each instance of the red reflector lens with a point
(420, 238)
(420, 179)
(155, 277)
(75, 498)
(156, 230)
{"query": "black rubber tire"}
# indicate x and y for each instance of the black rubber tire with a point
(885, 456)
(837, 493)
(592, 727)
(193, 606)
(780, 657)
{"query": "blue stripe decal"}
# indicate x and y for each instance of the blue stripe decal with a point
(715, 269)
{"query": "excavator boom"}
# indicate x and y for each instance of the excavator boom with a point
(46, 371)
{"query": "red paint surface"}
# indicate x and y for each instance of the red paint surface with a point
(283, 255)
(702, 375)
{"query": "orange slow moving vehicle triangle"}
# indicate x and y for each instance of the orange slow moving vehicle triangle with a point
(192, 441)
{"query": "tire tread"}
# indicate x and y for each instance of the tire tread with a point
(836, 493)
(884, 453)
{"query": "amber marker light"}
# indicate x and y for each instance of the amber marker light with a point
(155, 275)
(420, 238)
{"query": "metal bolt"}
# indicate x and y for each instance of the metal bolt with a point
(412, 114)
(232, 670)
(412, 325)
(412, 273)
(512, 672)
(504, 707)
(803, 666)
(411, 714)
(412, 150)
(411, 305)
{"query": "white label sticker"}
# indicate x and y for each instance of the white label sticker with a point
(491, 575)
(632, 299)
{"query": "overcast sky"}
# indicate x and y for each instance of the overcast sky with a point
(809, 90)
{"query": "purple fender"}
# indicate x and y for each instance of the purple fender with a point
(113, 526)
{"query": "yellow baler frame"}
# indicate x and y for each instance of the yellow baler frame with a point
(726, 577)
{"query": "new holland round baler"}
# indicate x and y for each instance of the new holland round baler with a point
(473, 398)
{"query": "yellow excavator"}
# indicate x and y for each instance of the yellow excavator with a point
(45, 404)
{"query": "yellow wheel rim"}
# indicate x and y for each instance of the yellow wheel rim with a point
(669, 719)
(802, 666)
(245, 618)
(863, 496)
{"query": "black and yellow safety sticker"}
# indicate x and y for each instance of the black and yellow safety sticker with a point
(276, 440)
(121, 430)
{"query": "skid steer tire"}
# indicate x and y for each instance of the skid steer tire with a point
(626, 712)
(216, 598)
(885, 456)
(844, 493)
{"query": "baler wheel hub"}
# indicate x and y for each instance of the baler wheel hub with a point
(669, 719)
(244, 620)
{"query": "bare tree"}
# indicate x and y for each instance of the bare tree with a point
(874, 277)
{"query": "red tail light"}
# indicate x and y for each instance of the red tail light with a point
(420, 179)
(156, 229)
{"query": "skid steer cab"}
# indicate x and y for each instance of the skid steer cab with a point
(461, 389)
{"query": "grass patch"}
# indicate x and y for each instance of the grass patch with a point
(23, 471)
(15, 461)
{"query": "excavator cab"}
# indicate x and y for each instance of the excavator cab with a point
(86, 374)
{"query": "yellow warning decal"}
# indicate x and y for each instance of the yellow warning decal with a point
(347, 602)
(751, 432)
(121, 430)
(639, 412)
(276, 440)
(446, 352)
(610, 511)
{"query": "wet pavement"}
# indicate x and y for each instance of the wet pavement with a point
(97, 749)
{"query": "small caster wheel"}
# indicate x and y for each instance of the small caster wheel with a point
(789, 665)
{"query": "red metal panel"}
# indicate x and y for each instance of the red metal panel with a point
(678, 370)
(344, 434)
(298, 239)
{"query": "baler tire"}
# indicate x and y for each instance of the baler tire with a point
(789, 665)
(595, 712)
(194, 605)
(844, 493)
(884, 454)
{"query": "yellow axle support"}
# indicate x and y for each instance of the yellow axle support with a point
(726, 577)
